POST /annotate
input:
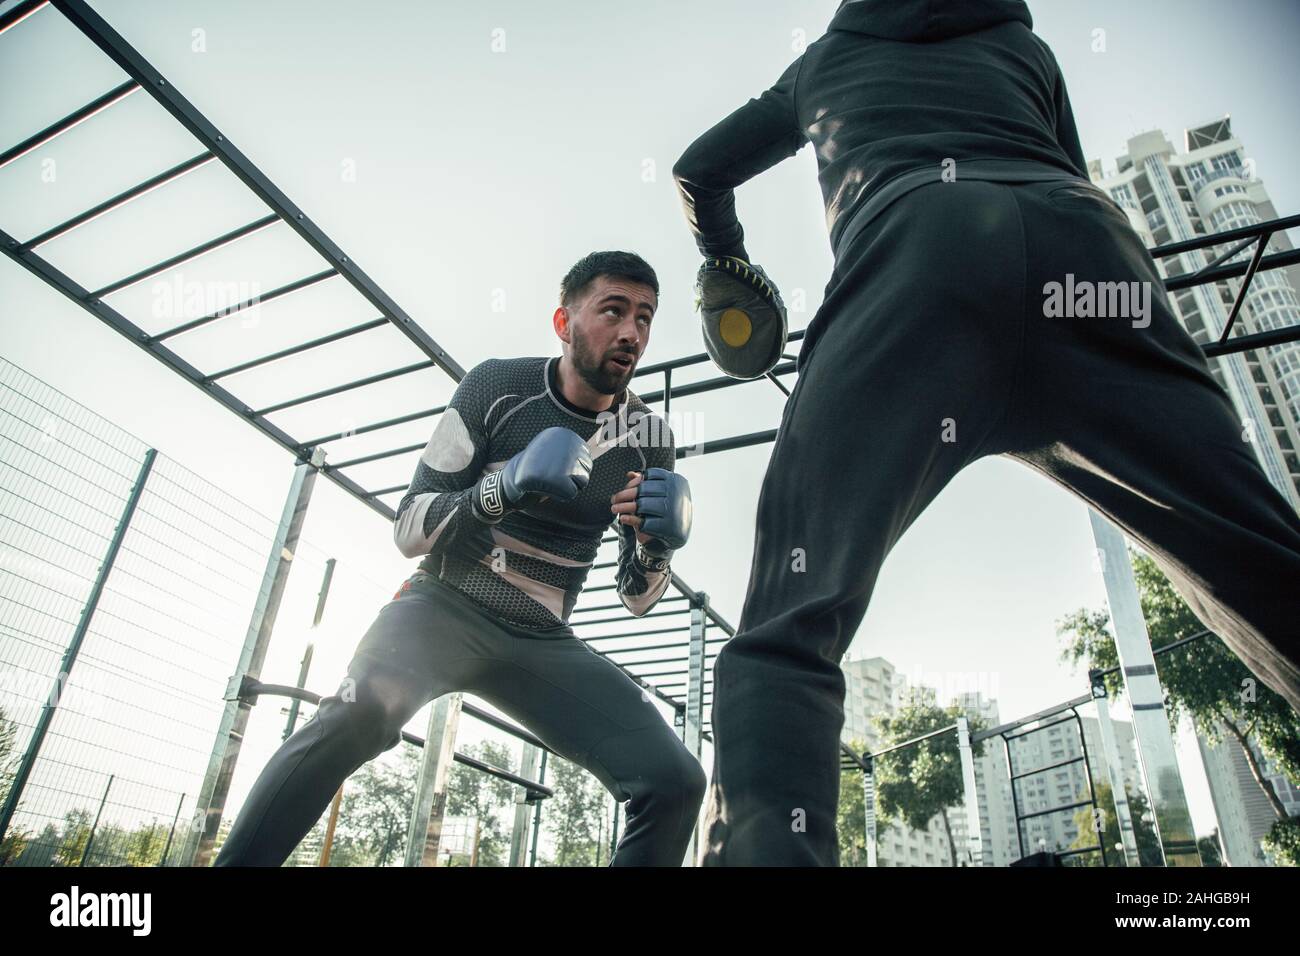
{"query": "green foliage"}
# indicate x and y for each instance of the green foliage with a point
(1144, 832)
(574, 816)
(375, 812)
(1208, 847)
(1282, 842)
(1202, 679)
(472, 793)
(916, 783)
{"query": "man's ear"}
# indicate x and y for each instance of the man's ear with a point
(560, 321)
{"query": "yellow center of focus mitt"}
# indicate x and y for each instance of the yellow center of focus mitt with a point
(742, 317)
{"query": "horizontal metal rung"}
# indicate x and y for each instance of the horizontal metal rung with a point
(121, 199)
(615, 607)
(20, 13)
(1244, 343)
(243, 367)
(37, 140)
(1236, 270)
(609, 637)
(710, 384)
(274, 294)
(233, 236)
(378, 456)
(338, 389)
(639, 617)
(728, 444)
(387, 423)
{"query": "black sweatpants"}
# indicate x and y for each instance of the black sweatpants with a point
(934, 321)
(432, 640)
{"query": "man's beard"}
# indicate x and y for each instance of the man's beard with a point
(597, 372)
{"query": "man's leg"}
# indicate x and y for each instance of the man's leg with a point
(394, 672)
(909, 379)
(1129, 418)
(591, 713)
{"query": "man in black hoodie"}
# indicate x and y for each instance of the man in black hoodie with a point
(957, 198)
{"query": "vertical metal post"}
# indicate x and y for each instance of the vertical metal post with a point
(869, 806)
(292, 723)
(974, 838)
(95, 826)
(1155, 743)
(1015, 801)
(327, 845)
(537, 812)
(1087, 774)
(172, 832)
(693, 727)
(74, 647)
(211, 801)
(1114, 771)
(613, 830)
(425, 830)
(519, 835)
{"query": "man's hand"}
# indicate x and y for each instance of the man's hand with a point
(658, 505)
(623, 504)
(556, 464)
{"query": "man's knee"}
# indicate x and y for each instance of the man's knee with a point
(362, 716)
(680, 780)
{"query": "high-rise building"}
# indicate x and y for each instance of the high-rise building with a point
(1213, 187)
(875, 688)
(1243, 810)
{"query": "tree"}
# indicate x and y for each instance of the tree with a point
(918, 782)
(1282, 842)
(1144, 833)
(1202, 679)
(573, 816)
(1208, 847)
(473, 793)
(9, 756)
(375, 812)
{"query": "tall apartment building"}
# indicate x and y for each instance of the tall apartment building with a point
(1213, 187)
(874, 687)
(1243, 810)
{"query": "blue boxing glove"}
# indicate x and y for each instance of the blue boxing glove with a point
(555, 464)
(663, 502)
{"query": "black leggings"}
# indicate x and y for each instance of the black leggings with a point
(431, 640)
(931, 350)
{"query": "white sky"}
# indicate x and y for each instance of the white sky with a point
(480, 176)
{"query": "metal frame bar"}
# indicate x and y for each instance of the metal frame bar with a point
(1157, 757)
(71, 121)
(99, 32)
(210, 803)
(19, 13)
(116, 202)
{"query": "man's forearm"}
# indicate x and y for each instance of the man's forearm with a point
(434, 520)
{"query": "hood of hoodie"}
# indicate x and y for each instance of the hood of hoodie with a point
(925, 21)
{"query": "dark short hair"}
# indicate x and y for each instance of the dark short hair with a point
(615, 265)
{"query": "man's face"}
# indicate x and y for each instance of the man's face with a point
(609, 328)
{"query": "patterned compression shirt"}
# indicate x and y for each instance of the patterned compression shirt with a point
(529, 567)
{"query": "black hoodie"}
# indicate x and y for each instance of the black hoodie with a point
(890, 92)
